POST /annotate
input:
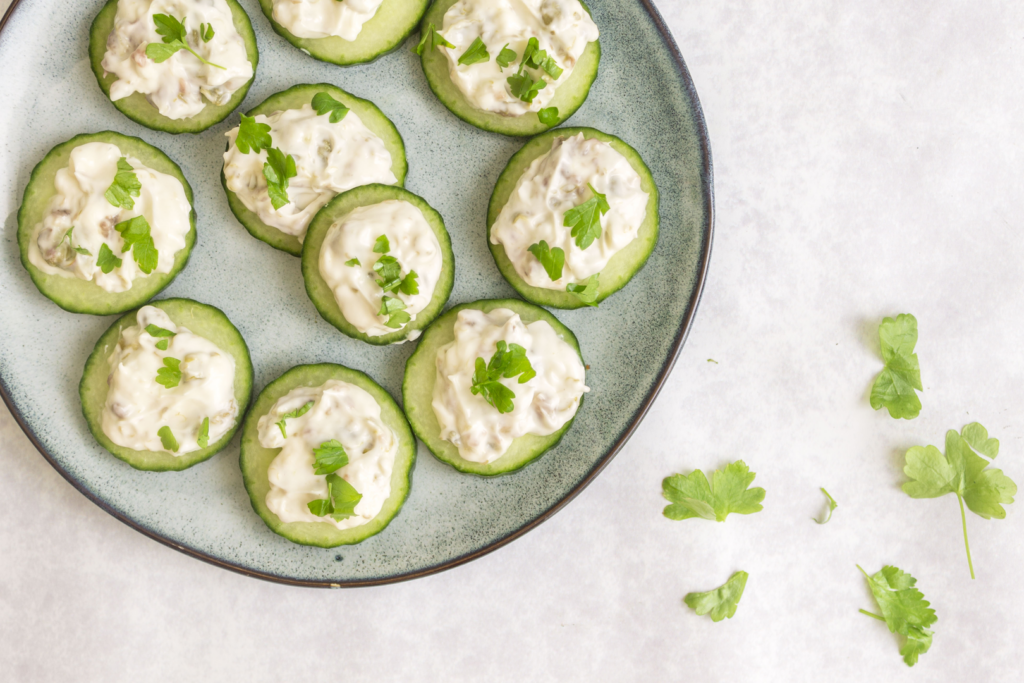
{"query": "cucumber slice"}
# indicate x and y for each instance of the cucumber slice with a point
(202, 319)
(293, 98)
(256, 459)
(320, 293)
(84, 296)
(621, 268)
(421, 374)
(568, 99)
(394, 21)
(137, 107)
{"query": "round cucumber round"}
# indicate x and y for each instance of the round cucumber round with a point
(293, 98)
(569, 97)
(621, 268)
(204, 320)
(319, 291)
(256, 459)
(421, 374)
(84, 296)
(137, 107)
(393, 22)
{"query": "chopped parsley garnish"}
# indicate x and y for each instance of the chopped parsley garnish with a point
(83, 251)
(381, 245)
(904, 610)
(353, 262)
(298, 412)
(390, 272)
(204, 433)
(394, 308)
(524, 86)
(175, 38)
(507, 362)
(252, 135)
(505, 57)
(106, 261)
(167, 438)
(475, 53)
(548, 116)
(125, 186)
(894, 387)
(722, 602)
(729, 492)
(587, 290)
(278, 168)
(431, 39)
(552, 259)
(539, 59)
(206, 32)
(409, 285)
(585, 219)
(170, 374)
(138, 239)
(832, 505)
(341, 500)
(155, 331)
(323, 103)
(330, 457)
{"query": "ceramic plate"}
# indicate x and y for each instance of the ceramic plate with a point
(643, 95)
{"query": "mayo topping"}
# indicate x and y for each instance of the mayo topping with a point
(542, 405)
(557, 182)
(325, 18)
(562, 28)
(329, 159)
(177, 86)
(138, 407)
(340, 411)
(80, 207)
(357, 288)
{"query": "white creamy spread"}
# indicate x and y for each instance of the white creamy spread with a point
(81, 207)
(356, 287)
(562, 28)
(329, 159)
(557, 182)
(138, 407)
(542, 405)
(177, 86)
(340, 411)
(325, 18)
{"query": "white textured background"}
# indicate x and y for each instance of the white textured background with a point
(868, 161)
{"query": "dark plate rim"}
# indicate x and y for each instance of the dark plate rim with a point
(707, 189)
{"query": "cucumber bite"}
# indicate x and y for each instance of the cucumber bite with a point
(106, 222)
(326, 456)
(493, 385)
(378, 264)
(497, 65)
(297, 150)
(167, 385)
(177, 73)
(581, 242)
(345, 31)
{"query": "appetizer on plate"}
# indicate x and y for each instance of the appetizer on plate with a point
(178, 66)
(493, 385)
(326, 456)
(297, 150)
(573, 217)
(105, 224)
(378, 264)
(167, 385)
(516, 67)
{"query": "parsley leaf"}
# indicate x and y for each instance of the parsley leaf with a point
(431, 39)
(832, 505)
(722, 602)
(155, 331)
(548, 116)
(167, 439)
(475, 53)
(206, 32)
(390, 272)
(539, 59)
(83, 251)
(252, 135)
(586, 290)
(125, 186)
(137, 237)
(524, 87)
(323, 103)
(162, 344)
(330, 457)
(175, 38)
(552, 259)
(277, 170)
(170, 374)
(962, 472)
(341, 500)
(505, 57)
(409, 285)
(106, 260)
(692, 496)
(353, 262)
(508, 361)
(585, 219)
(382, 245)
(894, 387)
(298, 412)
(394, 308)
(203, 440)
(904, 610)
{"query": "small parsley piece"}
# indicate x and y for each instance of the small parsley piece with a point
(67, 236)
(252, 135)
(508, 361)
(167, 439)
(323, 103)
(154, 331)
(175, 38)
(722, 602)
(394, 308)
(552, 259)
(832, 505)
(962, 472)
(382, 245)
(475, 53)
(728, 492)
(162, 344)
(586, 290)
(505, 57)
(83, 251)
(353, 262)
(409, 285)
(330, 457)
(524, 87)
(431, 39)
(298, 412)
(904, 610)
(539, 59)
(585, 219)
(137, 237)
(278, 168)
(341, 500)
(548, 116)
(125, 186)
(390, 272)
(170, 374)
(206, 32)
(106, 261)
(894, 387)
(203, 440)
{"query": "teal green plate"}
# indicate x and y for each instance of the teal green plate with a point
(643, 95)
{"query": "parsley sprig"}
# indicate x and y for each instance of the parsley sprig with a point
(252, 135)
(175, 39)
(904, 610)
(170, 374)
(729, 492)
(107, 261)
(125, 186)
(298, 412)
(278, 168)
(522, 84)
(553, 260)
(137, 238)
(323, 103)
(585, 219)
(341, 500)
(720, 603)
(832, 505)
(894, 387)
(508, 361)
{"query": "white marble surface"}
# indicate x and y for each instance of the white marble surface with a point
(868, 160)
